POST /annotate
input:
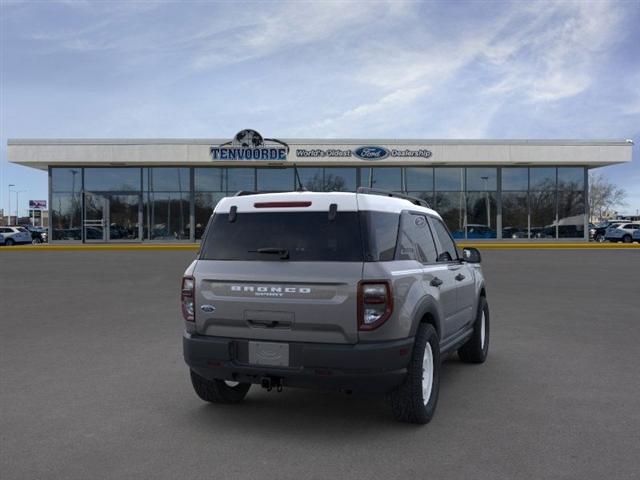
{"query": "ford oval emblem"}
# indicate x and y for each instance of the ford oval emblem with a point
(371, 153)
(208, 308)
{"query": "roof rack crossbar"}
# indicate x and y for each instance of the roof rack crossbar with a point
(386, 193)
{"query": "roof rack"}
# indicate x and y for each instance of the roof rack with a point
(386, 193)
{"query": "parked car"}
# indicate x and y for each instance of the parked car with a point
(15, 235)
(348, 291)
(475, 231)
(514, 232)
(622, 232)
(599, 232)
(38, 234)
(636, 236)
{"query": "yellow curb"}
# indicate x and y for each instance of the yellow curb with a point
(79, 246)
(551, 246)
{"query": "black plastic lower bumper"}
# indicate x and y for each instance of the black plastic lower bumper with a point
(374, 367)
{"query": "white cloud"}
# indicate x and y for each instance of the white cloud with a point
(552, 57)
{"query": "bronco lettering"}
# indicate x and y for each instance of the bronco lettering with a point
(269, 289)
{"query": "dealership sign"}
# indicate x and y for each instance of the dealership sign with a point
(365, 152)
(38, 204)
(250, 145)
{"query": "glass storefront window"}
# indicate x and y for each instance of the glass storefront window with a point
(467, 198)
(571, 211)
(166, 179)
(112, 179)
(481, 215)
(419, 178)
(515, 215)
(275, 179)
(241, 179)
(451, 207)
(167, 216)
(340, 179)
(124, 219)
(66, 179)
(515, 179)
(482, 179)
(209, 179)
(205, 202)
(543, 214)
(312, 178)
(571, 178)
(542, 178)
(383, 178)
(449, 179)
(66, 217)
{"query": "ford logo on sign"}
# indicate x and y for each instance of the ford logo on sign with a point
(371, 153)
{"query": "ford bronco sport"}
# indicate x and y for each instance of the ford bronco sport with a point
(351, 291)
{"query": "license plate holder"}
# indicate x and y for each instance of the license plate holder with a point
(269, 353)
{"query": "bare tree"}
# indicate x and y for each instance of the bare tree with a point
(604, 196)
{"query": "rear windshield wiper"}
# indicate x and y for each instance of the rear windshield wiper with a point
(283, 252)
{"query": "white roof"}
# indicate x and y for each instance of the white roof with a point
(319, 202)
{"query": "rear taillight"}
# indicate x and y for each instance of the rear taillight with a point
(187, 298)
(375, 303)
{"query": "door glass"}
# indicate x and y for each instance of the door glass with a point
(94, 217)
(448, 252)
(416, 242)
(124, 217)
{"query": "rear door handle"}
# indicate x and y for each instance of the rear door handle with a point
(436, 282)
(460, 277)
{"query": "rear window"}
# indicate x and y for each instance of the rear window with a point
(21, 229)
(305, 236)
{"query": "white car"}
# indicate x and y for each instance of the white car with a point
(623, 232)
(15, 235)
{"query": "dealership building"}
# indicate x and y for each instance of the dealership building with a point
(132, 190)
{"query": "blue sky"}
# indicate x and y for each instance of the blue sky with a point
(319, 69)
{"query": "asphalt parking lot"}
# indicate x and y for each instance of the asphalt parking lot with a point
(93, 384)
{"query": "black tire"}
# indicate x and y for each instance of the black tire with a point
(9, 242)
(475, 350)
(407, 400)
(217, 391)
(599, 238)
(626, 239)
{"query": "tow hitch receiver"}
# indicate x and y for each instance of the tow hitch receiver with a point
(269, 383)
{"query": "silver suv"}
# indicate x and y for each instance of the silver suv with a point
(350, 291)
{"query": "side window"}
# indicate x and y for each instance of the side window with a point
(380, 232)
(416, 242)
(448, 252)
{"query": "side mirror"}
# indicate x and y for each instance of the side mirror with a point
(471, 255)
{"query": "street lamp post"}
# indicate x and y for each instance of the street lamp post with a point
(9, 214)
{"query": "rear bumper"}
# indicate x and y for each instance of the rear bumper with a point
(372, 367)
